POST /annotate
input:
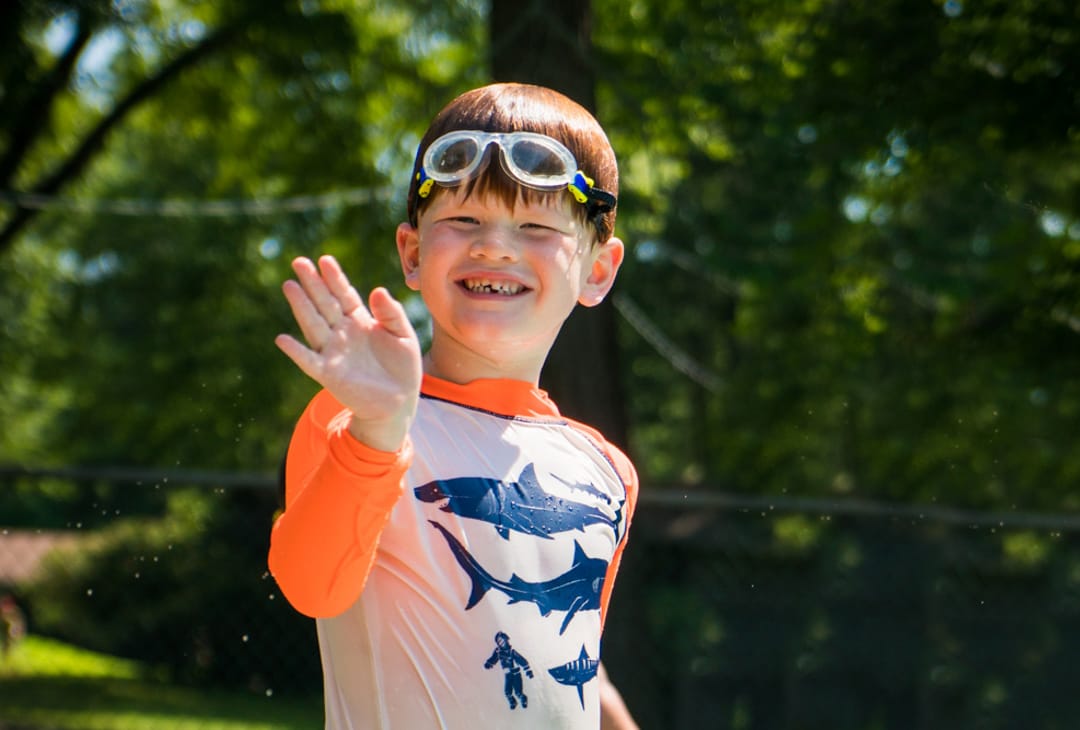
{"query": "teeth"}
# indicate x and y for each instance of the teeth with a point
(486, 286)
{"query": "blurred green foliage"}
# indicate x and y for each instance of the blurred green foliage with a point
(858, 624)
(859, 221)
(856, 226)
(188, 595)
(861, 218)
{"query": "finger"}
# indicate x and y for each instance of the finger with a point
(340, 287)
(310, 278)
(390, 313)
(312, 324)
(307, 360)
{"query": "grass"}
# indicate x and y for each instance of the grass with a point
(48, 685)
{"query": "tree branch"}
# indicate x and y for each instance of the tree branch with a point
(93, 141)
(35, 114)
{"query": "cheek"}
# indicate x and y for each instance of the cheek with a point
(571, 254)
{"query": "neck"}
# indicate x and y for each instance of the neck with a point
(461, 365)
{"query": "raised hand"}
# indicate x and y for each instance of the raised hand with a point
(367, 357)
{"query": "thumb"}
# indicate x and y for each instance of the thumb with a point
(389, 313)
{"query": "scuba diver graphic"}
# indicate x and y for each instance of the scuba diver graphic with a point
(512, 663)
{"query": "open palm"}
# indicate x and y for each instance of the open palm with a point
(367, 357)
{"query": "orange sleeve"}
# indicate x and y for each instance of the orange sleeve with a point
(628, 474)
(338, 497)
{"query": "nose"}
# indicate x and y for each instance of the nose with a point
(495, 243)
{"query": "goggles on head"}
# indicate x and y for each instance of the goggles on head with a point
(534, 160)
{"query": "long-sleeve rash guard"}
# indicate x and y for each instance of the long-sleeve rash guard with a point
(498, 527)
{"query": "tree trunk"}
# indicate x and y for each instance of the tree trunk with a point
(549, 43)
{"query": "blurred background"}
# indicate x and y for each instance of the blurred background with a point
(843, 351)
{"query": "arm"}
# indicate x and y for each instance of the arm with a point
(614, 714)
(339, 495)
(349, 451)
(524, 664)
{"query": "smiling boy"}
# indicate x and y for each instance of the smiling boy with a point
(436, 501)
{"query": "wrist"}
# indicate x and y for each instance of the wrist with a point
(387, 437)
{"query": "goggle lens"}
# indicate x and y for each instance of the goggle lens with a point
(455, 158)
(539, 164)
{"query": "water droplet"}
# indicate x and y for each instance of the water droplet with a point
(89, 591)
(269, 693)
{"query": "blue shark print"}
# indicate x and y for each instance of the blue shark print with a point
(591, 490)
(587, 488)
(578, 589)
(577, 673)
(522, 506)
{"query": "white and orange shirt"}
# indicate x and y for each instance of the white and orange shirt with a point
(463, 581)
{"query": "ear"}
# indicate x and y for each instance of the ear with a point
(606, 260)
(408, 246)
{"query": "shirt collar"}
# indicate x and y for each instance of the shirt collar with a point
(504, 397)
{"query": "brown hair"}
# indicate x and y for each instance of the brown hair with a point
(512, 107)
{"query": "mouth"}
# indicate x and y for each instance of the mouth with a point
(482, 285)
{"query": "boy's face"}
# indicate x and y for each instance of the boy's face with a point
(499, 282)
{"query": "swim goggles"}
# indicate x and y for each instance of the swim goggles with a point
(534, 160)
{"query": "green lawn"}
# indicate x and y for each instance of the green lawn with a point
(48, 685)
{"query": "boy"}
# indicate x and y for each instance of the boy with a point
(438, 506)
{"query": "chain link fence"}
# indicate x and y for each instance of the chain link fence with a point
(740, 613)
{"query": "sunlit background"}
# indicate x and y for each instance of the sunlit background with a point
(844, 351)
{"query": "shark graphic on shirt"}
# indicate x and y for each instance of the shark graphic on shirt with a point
(523, 505)
(577, 673)
(578, 589)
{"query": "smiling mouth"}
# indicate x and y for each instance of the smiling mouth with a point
(487, 286)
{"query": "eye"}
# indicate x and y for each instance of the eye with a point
(459, 220)
(539, 227)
